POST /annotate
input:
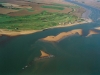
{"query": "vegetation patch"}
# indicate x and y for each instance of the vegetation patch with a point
(53, 7)
(31, 10)
(37, 21)
(13, 6)
(63, 5)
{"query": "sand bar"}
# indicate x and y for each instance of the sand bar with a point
(44, 54)
(62, 35)
(16, 33)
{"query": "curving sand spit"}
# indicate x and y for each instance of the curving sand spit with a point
(91, 32)
(16, 33)
(69, 33)
(44, 54)
(98, 28)
(62, 35)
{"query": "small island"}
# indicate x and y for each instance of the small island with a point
(62, 35)
(44, 55)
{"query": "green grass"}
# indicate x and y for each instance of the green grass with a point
(31, 10)
(36, 21)
(53, 7)
(63, 5)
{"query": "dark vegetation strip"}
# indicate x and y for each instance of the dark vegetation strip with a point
(53, 7)
(63, 5)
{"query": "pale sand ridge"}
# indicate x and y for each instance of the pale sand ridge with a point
(69, 33)
(44, 54)
(16, 33)
(91, 32)
(62, 35)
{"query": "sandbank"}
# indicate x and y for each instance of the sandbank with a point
(69, 33)
(62, 35)
(97, 28)
(16, 33)
(95, 31)
(44, 54)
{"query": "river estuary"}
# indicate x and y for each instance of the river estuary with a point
(74, 55)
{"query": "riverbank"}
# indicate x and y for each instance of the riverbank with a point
(71, 53)
(24, 32)
(72, 24)
(16, 33)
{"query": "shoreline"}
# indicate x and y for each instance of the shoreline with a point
(24, 32)
(16, 33)
(73, 24)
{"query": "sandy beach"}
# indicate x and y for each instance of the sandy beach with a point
(16, 33)
(44, 54)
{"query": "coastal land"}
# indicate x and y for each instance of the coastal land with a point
(39, 15)
(24, 32)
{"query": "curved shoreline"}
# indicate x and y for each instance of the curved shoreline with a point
(15, 33)
(24, 32)
(86, 14)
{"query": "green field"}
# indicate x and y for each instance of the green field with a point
(36, 21)
(54, 7)
(59, 6)
(63, 5)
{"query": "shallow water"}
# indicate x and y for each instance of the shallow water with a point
(75, 55)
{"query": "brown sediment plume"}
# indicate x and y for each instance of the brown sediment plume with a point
(62, 35)
(44, 54)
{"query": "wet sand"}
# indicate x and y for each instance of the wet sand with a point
(16, 33)
(44, 54)
(24, 32)
(97, 28)
(69, 33)
(95, 31)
